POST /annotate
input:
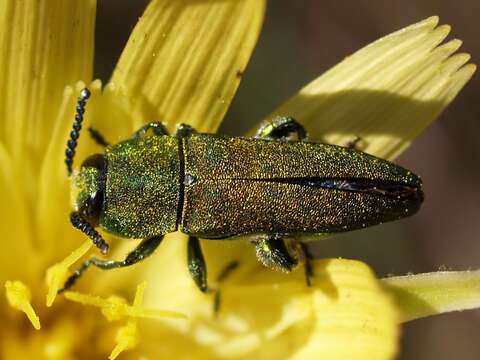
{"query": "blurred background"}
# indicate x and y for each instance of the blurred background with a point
(303, 38)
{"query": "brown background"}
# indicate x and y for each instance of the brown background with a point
(303, 38)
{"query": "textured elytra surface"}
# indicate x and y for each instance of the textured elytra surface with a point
(225, 197)
(142, 187)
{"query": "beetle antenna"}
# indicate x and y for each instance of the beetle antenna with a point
(84, 226)
(77, 126)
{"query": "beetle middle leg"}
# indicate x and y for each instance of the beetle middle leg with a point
(273, 253)
(142, 251)
(281, 128)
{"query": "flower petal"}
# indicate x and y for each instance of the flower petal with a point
(184, 60)
(386, 93)
(44, 45)
(435, 293)
(264, 314)
(15, 224)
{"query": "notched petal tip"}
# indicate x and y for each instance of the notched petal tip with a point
(387, 93)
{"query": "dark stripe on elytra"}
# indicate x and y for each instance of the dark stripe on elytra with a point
(383, 188)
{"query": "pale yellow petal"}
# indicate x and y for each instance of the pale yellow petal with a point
(264, 314)
(184, 60)
(44, 45)
(434, 293)
(16, 237)
(385, 93)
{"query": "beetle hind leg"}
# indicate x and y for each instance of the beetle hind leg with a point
(307, 258)
(142, 251)
(273, 253)
(281, 128)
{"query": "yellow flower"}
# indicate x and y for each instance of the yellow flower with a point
(183, 63)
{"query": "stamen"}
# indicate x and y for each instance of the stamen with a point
(127, 338)
(57, 274)
(117, 308)
(19, 296)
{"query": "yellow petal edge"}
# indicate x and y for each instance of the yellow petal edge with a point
(44, 46)
(345, 314)
(385, 93)
(184, 60)
(428, 294)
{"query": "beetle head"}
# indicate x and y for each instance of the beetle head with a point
(88, 189)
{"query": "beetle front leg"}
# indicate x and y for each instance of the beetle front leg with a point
(157, 128)
(98, 137)
(196, 263)
(184, 130)
(273, 253)
(142, 251)
(281, 128)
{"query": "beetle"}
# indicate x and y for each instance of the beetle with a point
(269, 188)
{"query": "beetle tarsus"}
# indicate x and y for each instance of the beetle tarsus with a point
(273, 253)
(196, 263)
(282, 128)
(142, 251)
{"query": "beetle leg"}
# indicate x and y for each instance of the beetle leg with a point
(281, 128)
(273, 253)
(353, 144)
(196, 263)
(98, 137)
(184, 130)
(157, 128)
(142, 251)
(307, 256)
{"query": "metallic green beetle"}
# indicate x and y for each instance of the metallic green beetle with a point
(267, 189)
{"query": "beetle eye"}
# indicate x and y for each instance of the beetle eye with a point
(92, 209)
